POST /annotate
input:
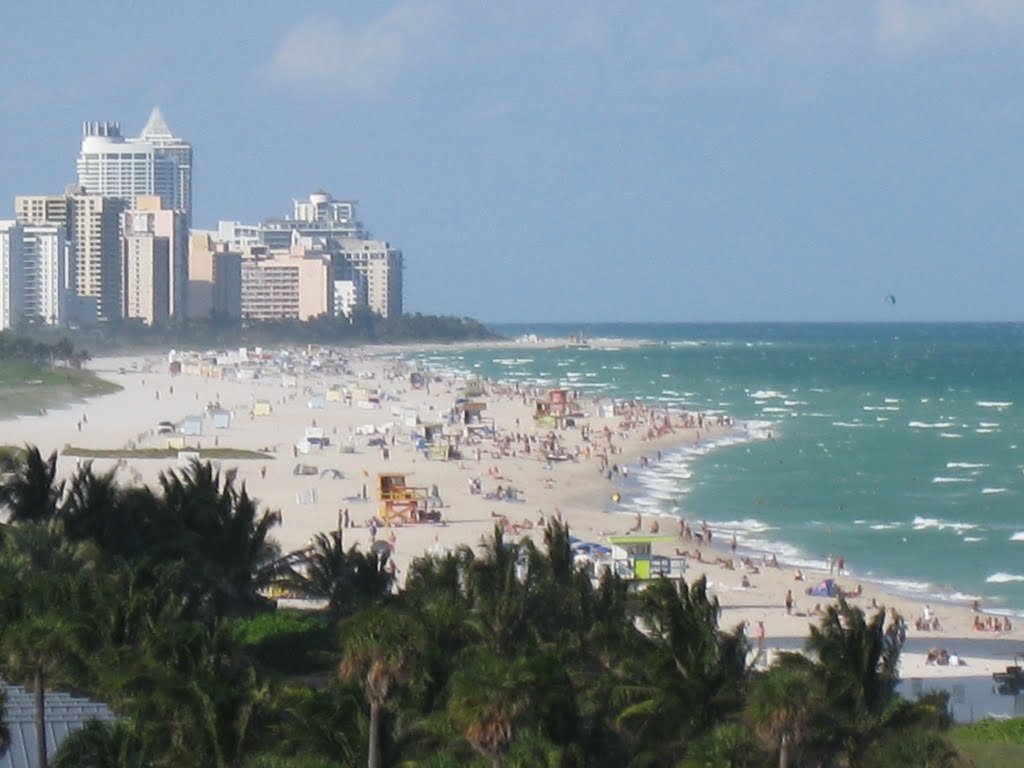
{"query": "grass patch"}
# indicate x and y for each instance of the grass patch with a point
(162, 453)
(990, 755)
(26, 387)
(991, 743)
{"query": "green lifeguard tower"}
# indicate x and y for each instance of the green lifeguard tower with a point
(633, 558)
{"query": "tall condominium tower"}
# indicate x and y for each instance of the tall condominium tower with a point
(154, 163)
(94, 224)
(149, 217)
(33, 288)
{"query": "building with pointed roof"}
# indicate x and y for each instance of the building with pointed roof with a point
(154, 163)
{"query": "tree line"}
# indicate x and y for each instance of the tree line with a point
(41, 351)
(364, 327)
(160, 601)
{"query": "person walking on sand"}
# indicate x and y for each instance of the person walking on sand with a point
(789, 602)
(760, 636)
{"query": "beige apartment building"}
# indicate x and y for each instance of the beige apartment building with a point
(149, 216)
(94, 225)
(289, 285)
(146, 289)
(214, 278)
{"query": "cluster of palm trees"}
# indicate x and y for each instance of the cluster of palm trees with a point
(155, 601)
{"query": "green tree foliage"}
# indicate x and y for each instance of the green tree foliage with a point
(157, 601)
(42, 347)
(28, 485)
(347, 579)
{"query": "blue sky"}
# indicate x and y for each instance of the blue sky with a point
(579, 160)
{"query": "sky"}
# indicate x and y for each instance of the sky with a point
(579, 160)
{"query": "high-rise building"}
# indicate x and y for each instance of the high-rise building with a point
(33, 284)
(286, 286)
(323, 224)
(149, 215)
(380, 268)
(214, 278)
(145, 290)
(321, 218)
(154, 163)
(11, 274)
(93, 223)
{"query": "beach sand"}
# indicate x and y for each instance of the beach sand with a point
(577, 490)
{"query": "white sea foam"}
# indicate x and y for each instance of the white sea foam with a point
(749, 525)
(766, 394)
(941, 479)
(884, 526)
(950, 435)
(1004, 578)
(771, 409)
(879, 407)
(1019, 536)
(993, 490)
(985, 431)
(991, 424)
(905, 585)
(795, 402)
(848, 424)
(992, 404)
(927, 425)
(970, 539)
(924, 523)
(964, 465)
(893, 400)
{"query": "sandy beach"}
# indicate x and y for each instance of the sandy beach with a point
(380, 408)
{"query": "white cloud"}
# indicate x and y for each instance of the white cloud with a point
(319, 52)
(909, 25)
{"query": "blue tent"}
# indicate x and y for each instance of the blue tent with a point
(824, 588)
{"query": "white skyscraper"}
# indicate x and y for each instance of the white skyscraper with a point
(33, 282)
(154, 163)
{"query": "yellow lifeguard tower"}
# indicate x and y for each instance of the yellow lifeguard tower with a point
(400, 503)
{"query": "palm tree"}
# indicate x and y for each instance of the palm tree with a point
(859, 670)
(347, 580)
(783, 702)
(380, 648)
(500, 594)
(92, 505)
(39, 646)
(490, 697)
(99, 744)
(195, 699)
(28, 487)
(220, 530)
(691, 674)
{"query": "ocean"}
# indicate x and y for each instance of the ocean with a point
(899, 447)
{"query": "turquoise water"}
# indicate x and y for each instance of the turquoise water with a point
(897, 447)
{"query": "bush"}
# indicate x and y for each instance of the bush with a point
(993, 731)
(289, 642)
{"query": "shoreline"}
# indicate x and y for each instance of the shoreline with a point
(576, 490)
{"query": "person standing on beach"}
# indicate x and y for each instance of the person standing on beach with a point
(789, 602)
(760, 636)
